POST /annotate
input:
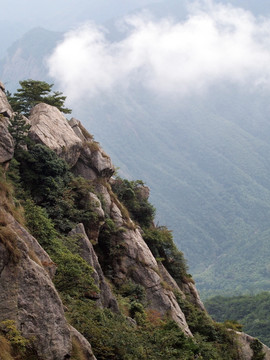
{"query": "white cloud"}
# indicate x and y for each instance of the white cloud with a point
(216, 43)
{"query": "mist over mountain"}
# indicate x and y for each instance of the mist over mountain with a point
(179, 97)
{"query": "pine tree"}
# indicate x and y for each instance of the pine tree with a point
(33, 92)
(18, 130)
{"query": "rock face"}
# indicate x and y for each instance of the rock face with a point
(50, 127)
(28, 296)
(106, 297)
(5, 108)
(134, 260)
(246, 353)
(6, 141)
(82, 343)
(137, 263)
(67, 139)
(93, 161)
(190, 290)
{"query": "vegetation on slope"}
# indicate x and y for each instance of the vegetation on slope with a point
(54, 201)
(252, 311)
(112, 336)
(209, 176)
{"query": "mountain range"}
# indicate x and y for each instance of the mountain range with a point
(205, 158)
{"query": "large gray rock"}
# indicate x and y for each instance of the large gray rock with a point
(138, 263)
(28, 296)
(244, 342)
(35, 250)
(193, 295)
(93, 161)
(6, 141)
(135, 261)
(87, 252)
(79, 340)
(50, 127)
(5, 108)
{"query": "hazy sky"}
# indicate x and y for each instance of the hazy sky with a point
(215, 43)
(19, 16)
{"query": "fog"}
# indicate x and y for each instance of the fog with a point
(216, 43)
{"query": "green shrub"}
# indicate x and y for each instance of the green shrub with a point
(130, 193)
(40, 226)
(19, 130)
(257, 349)
(48, 181)
(13, 346)
(135, 292)
(160, 241)
(74, 275)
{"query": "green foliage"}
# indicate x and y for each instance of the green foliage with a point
(250, 311)
(57, 201)
(160, 241)
(233, 324)
(213, 337)
(40, 226)
(114, 338)
(19, 130)
(33, 92)
(257, 349)
(135, 292)
(131, 194)
(74, 275)
(13, 346)
(14, 335)
(50, 183)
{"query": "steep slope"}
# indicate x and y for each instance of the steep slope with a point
(150, 315)
(206, 161)
(211, 159)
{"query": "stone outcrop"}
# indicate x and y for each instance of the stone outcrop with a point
(86, 250)
(136, 262)
(93, 161)
(191, 291)
(28, 296)
(50, 127)
(5, 108)
(79, 340)
(6, 141)
(245, 350)
(68, 140)
(35, 250)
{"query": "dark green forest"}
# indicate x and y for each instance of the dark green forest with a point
(251, 311)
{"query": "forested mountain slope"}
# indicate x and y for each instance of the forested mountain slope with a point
(81, 260)
(206, 159)
(252, 311)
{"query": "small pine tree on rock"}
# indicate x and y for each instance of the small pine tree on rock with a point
(33, 92)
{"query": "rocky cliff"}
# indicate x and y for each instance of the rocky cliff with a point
(128, 280)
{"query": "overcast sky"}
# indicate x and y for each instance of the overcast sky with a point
(19, 16)
(215, 43)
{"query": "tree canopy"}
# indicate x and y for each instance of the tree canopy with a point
(33, 92)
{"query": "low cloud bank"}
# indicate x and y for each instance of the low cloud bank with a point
(216, 43)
